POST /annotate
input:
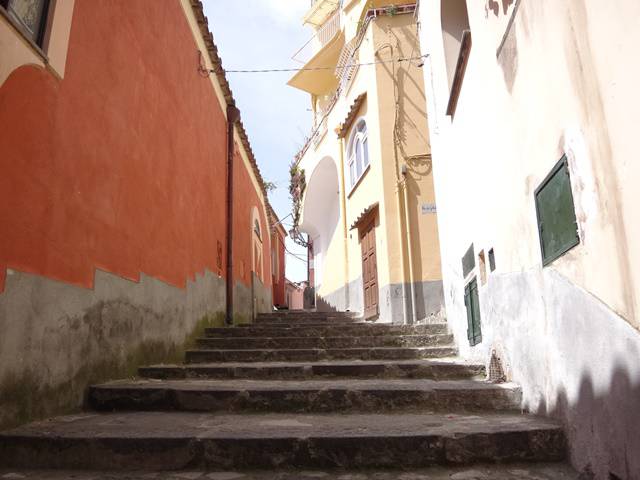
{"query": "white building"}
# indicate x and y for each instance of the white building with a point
(533, 111)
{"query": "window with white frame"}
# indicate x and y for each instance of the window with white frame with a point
(358, 152)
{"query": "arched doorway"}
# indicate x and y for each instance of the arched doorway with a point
(321, 213)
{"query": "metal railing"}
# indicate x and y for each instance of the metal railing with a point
(329, 29)
(346, 70)
(323, 35)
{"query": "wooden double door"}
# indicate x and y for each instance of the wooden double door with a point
(369, 269)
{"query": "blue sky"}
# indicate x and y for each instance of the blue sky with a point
(255, 34)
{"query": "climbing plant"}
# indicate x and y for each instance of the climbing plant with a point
(297, 186)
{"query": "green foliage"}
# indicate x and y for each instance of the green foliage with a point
(270, 186)
(391, 10)
(297, 186)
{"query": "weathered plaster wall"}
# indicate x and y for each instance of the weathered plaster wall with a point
(58, 338)
(112, 201)
(348, 297)
(262, 295)
(568, 332)
(574, 357)
(61, 220)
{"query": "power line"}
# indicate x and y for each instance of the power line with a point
(303, 260)
(306, 69)
(298, 257)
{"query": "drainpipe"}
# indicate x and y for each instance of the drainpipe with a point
(398, 184)
(343, 204)
(407, 226)
(233, 115)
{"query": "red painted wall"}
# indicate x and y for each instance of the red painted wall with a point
(245, 198)
(278, 282)
(120, 166)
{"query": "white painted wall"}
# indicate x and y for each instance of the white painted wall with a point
(564, 82)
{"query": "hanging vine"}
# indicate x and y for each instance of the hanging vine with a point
(297, 186)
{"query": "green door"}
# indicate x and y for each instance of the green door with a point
(472, 302)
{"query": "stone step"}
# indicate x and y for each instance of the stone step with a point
(268, 319)
(314, 355)
(512, 471)
(309, 323)
(179, 440)
(295, 314)
(356, 329)
(324, 342)
(430, 369)
(305, 396)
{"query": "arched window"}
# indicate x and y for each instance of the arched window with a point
(358, 152)
(256, 243)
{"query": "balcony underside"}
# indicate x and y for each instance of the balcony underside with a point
(321, 81)
(319, 11)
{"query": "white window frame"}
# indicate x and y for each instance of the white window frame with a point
(357, 165)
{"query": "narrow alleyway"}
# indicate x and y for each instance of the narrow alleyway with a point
(307, 394)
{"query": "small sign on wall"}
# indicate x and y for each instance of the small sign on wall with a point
(428, 208)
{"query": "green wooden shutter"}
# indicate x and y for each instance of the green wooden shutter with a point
(557, 225)
(472, 303)
(468, 261)
(492, 260)
(475, 308)
(467, 304)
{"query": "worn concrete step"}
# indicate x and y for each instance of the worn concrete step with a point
(512, 471)
(171, 440)
(325, 342)
(431, 369)
(296, 314)
(305, 396)
(312, 322)
(317, 354)
(356, 329)
(269, 319)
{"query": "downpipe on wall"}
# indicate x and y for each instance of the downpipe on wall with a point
(407, 311)
(343, 202)
(233, 115)
(407, 226)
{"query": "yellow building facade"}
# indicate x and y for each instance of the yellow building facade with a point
(368, 204)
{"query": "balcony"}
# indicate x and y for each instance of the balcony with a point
(319, 11)
(322, 37)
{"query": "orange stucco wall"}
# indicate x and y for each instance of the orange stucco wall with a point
(120, 166)
(278, 282)
(244, 200)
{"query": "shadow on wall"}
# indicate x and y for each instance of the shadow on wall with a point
(309, 298)
(601, 424)
(494, 6)
(322, 305)
(575, 359)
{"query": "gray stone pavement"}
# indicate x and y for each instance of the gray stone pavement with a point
(503, 472)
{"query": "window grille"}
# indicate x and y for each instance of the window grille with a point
(31, 15)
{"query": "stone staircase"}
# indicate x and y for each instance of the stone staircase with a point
(300, 391)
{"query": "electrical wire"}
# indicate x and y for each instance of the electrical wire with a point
(306, 69)
(297, 257)
(302, 259)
